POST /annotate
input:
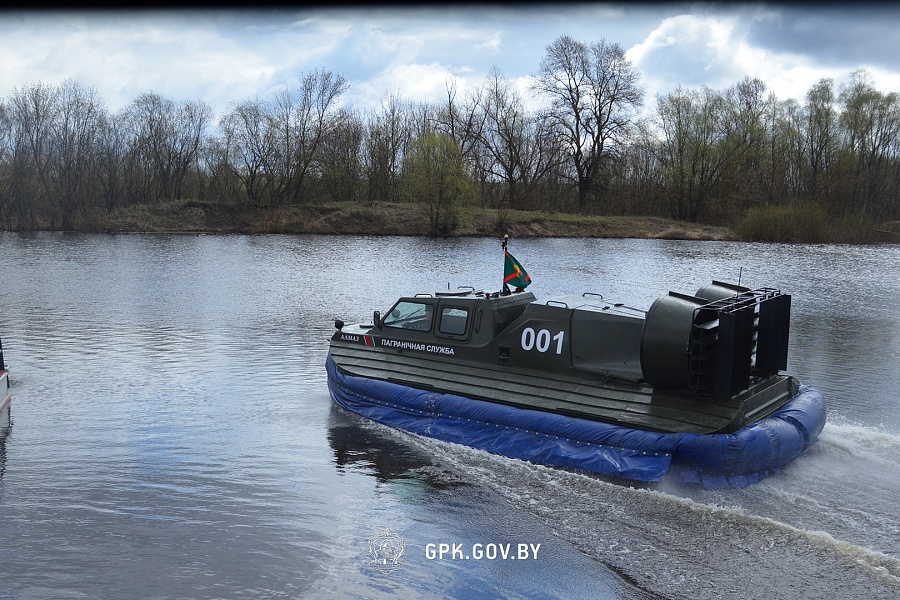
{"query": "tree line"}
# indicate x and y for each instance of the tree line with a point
(580, 140)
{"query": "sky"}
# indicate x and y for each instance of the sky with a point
(222, 56)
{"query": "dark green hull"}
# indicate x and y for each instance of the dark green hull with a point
(636, 406)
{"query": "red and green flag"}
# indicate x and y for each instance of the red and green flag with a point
(514, 274)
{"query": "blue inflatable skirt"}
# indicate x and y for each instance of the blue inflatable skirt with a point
(710, 460)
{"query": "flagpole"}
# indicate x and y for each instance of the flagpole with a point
(504, 289)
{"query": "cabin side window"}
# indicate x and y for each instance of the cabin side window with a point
(410, 315)
(454, 321)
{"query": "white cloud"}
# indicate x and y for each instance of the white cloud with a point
(414, 82)
(491, 43)
(222, 57)
(686, 50)
(714, 51)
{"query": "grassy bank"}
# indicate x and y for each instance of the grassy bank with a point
(770, 224)
(385, 219)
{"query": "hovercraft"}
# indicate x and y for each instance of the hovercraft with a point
(693, 386)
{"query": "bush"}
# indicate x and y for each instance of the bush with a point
(804, 223)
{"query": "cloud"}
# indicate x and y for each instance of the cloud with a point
(226, 56)
(687, 50)
(717, 51)
(416, 55)
(125, 56)
(491, 43)
(836, 35)
(414, 82)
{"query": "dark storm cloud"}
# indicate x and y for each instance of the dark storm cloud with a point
(851, 35)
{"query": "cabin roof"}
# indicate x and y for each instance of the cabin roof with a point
(494, 298)
(592, 302)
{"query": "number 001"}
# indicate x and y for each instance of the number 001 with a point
(541, 340)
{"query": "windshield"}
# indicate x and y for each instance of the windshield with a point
(410, 315)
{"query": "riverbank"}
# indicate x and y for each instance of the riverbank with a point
(385, 219)
(411, 220)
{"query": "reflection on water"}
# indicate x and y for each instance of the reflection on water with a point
(362, 446)
(174, 436)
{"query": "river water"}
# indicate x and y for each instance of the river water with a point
(172, 434)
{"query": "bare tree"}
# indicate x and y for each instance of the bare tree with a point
(165, 144)
(463, 120)
(516, 142)
(744, 120)
(112, 147)
(249, 146)
(33, 113)
(386, 139)
(820, 133)
(594, 94)
(5, 168)
(693, 149)
(73, 150)
(781, 175)
(341, 166)
(302, 119)
(871, 124)
(191, 122)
